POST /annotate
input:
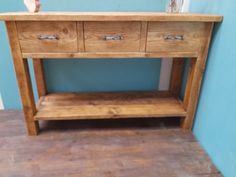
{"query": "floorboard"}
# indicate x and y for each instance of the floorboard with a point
(101, 148)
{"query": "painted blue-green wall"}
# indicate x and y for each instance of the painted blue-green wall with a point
(215, 125)
(82, 75)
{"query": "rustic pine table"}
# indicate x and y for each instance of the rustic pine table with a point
(109, 35)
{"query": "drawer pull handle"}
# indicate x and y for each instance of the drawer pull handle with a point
(113, 38)
(48, 37)
(173, 37)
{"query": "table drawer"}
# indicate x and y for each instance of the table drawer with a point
(176, 36)
(47, 37)
(112, 36)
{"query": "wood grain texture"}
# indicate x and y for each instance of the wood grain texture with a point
(199, 70)
(143, 37)
(188, 87)
(29, 33)
(176, 76)
(39, 77)
(80, 34)
(95, 32)
(109, 16)
(108, 105)
(108, 55)
(111, 148)
(193, 34)
(23, 78)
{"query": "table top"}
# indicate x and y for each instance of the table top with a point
(108, 16)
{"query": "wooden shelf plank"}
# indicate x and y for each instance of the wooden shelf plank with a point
(60, 106)
(109, 16)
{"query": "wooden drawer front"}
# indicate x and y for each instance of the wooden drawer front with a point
(112, 36)
(175, 36)
(47, 37)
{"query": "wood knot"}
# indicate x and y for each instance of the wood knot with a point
(65, 30)
(114, 111)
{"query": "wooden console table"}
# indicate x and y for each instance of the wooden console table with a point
(109, 35)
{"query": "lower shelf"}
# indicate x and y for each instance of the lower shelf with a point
(64, 106)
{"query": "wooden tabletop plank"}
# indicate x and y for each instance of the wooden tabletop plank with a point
(108, 16)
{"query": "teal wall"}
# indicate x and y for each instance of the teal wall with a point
(82, 75)
(215, 125)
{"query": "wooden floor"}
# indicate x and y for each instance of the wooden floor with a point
(104, 148)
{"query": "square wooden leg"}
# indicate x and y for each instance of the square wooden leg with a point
(193, 87)
(39, 76)
(176, 76)
(23, 78)
(184, 123)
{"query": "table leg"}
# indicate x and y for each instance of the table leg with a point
(193, 87)
(23, 78)
(176, 76)
(39, 77)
